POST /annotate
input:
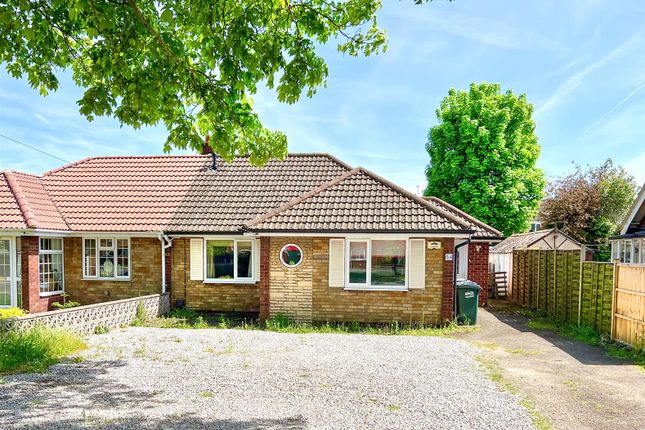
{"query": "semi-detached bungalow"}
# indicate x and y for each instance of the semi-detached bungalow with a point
(308, 237)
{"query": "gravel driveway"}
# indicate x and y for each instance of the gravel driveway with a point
(233, 379)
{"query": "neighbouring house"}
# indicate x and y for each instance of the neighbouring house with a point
(629, 246)
(309, 237)
(501, 255)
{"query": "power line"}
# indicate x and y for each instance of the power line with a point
(31, 147)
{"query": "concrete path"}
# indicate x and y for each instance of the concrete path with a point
(577, 386)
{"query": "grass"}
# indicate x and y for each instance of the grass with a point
(189, 319)
(35, 349)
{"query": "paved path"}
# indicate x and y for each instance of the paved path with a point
(577, 386)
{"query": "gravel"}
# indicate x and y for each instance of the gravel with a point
(146, 378)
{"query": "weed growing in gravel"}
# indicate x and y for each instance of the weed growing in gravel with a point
(394, 408)
(35, 349)
(207, 394)
(496, 374)
(101, 329)
(141, 315)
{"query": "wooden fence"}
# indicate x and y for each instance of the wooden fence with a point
(628, 322)
(551, 281)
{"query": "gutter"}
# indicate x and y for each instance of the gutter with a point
(455, 265)
(166, 242)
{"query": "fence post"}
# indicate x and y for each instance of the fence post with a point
(537, 299)
(555, 283)
(613, 299)
(582, 254)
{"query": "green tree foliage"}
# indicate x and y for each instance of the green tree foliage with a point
(192, 65)
(482, 156)
(589, 204)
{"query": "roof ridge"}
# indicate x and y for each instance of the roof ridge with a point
(302, 197)
(465, 214)
(23, 204)
(67, 166)
(414, 197)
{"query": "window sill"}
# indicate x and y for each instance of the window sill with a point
(51, 293)
(231, 281)
(374, 288)
(107, 279)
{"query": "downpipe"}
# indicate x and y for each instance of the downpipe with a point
(166, 242)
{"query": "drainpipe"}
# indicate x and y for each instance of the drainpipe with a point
(455, 266)
(166, 242)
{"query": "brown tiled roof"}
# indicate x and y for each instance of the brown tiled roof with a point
(482, 230)
(36, 207)
(524, 240)
(180, 193)
(358, 200)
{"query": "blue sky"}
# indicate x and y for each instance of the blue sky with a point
(581, 63)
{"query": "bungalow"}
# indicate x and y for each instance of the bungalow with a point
(309, 237)
(629, 246)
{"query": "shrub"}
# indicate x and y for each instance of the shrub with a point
(35, 349)
(66, 304)
(140, 316)
(11, 313)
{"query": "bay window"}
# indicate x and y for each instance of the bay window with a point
(229, 260)
(376, 264)
(50, 266)
(106, 258)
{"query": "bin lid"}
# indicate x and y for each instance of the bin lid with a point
(466, 284)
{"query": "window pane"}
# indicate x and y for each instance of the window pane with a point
(357, 262)
(219, 259)
(122, 258)
(637, 251)
(90, 257)
(244, 259)
(5, 272)
(106, 243)
(49, 244)
(51, 272)
(628, 251)
(106, 263)
(388, 262)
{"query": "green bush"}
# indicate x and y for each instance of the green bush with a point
(141, 316)
(66, 305)
(11, 313)
(35, 349)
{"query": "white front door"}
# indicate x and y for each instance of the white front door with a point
(8, 296)
(462, 262)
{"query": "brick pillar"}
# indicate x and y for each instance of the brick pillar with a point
(447, 296)
(30, 288)
(478, 268)
(265, 253)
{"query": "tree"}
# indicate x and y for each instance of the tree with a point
(589, 204)
(482, 156)
(189, 64)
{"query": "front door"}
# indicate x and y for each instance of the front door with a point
(7, 277)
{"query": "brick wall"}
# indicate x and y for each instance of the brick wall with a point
(265, 277)
(478, 267)
(290, 289)
(145, 279)
(336, 304)
(204, 296)
(31, 300)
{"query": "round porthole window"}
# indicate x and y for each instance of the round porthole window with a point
(291, 255)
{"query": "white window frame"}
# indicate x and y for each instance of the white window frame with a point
(97, 240)
(52, 252)
(367, 286)
(235, 279)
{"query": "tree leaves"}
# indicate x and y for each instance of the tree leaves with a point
(483, 154)
(192, 65)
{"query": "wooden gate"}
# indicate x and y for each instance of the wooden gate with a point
(628, 311)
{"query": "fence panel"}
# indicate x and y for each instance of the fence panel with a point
(551, 282)
(628, 322)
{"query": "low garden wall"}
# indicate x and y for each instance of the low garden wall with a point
(86, 319)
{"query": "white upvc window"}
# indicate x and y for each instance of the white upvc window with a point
(229, 260)
(106, 258)
(376, 264)
(51, 266)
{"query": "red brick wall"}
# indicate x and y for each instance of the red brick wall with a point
(478, 267)
(448, 292)
(31, 300)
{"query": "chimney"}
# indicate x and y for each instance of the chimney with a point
(206, 148)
